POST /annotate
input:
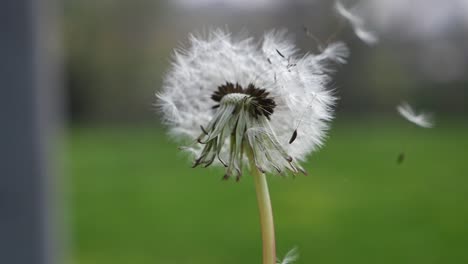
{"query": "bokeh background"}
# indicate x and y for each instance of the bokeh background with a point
(131, 197)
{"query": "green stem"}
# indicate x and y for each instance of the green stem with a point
(266, 213)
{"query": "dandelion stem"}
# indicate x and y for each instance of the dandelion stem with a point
(266, 212)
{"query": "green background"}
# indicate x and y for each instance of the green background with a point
(135, 199)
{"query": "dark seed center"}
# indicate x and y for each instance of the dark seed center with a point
(262, 103)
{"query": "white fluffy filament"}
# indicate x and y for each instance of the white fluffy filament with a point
(357, 24)
(290, 257)
(421, 119)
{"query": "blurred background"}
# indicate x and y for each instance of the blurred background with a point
(129, 196)
(117, 51)
(135, 198)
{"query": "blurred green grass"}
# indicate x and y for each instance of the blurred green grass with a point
(135, 199)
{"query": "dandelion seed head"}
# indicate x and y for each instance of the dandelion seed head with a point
(226, 93)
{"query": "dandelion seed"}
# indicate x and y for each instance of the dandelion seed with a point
(346, 14)
(368, 37)
(290, 257)
(400, 158)
(337, 52)
(422, 119)
(357, 24)
(293, 137)
(282, 56)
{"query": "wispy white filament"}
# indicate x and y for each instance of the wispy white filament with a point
(297, 83)
(421, 119)
(357, 24)
(290, 257)
(337, 52)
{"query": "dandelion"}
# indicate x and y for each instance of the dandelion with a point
(421, 119)
(357, 24)
(240, 101)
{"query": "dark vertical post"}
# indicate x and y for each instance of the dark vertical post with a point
(27, 78)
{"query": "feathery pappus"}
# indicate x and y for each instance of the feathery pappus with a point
(421, 119)
(290, 257)
(233, 96)
(357, 24)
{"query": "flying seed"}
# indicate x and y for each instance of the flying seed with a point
(293, 137)
(401, 158)
(282, 56)
(269, 61)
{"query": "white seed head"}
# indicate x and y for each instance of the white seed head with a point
(231, 95)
